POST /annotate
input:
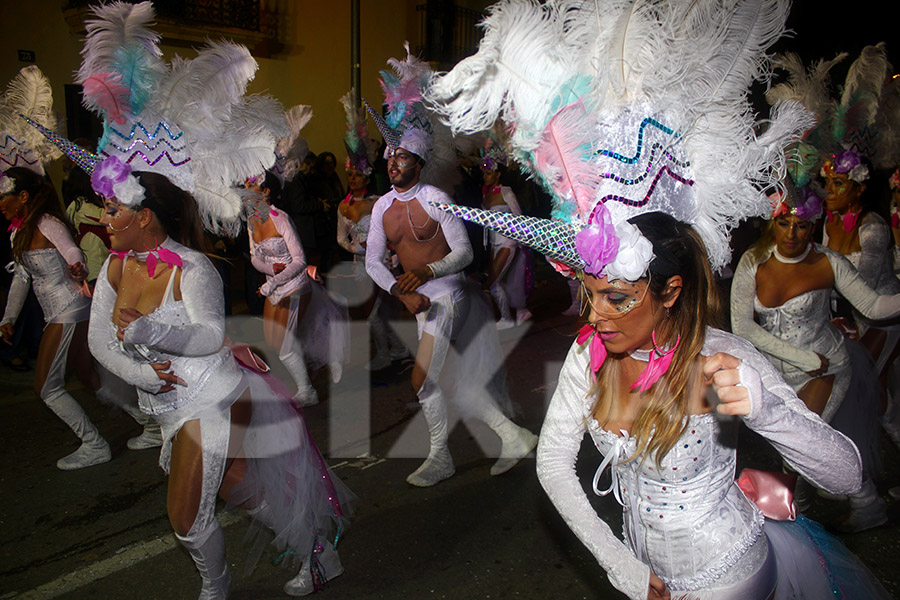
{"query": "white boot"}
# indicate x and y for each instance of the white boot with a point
(516, 442)
(151, 437)
(575, 307)
(438, 466)
(324, 562)
(867, 510)
(506, 321)
(208, 551)
(93, 450)
(306, 394)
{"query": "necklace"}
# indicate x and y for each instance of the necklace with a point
(413, 226)
(790, 261)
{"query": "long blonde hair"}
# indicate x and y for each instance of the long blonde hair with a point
(679, 251)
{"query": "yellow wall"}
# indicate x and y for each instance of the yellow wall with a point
(313, 69)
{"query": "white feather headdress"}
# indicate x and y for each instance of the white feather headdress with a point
(189, 120)
(626, 107)
(28, 94)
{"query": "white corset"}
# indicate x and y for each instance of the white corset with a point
(56, 291)
(275, 250)
(804, 321)
(686, 518)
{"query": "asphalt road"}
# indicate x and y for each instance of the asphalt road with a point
(102, 532)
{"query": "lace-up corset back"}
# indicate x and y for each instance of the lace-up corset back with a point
(194, 370)
(686, 517)
(56, 291)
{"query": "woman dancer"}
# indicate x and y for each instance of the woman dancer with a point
(275, 250)
(47, 258)
(786, 285)
(156, 324)
(354, 215)
(638, 123)
(157, 319)
(509, 271)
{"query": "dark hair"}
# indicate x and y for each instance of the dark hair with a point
(679, 250)
(42, 200)
(76, 188)
(273, 184)
(175, 209)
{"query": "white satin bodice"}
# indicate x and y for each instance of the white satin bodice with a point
(804, 321)
(56, 291)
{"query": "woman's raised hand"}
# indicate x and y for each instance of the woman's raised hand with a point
(721, 371)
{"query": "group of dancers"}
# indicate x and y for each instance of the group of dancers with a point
(636, 119)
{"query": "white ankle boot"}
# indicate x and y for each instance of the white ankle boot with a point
(151, 437)
(438, 466)
(517, 443)
(306, 394)
(93, 450)
(324, 561)
(867, 510)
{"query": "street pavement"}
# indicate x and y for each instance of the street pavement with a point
(102, 532)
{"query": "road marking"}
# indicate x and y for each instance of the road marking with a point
(125, 557)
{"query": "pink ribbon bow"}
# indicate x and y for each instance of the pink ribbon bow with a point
(849, 220)
(14, 224)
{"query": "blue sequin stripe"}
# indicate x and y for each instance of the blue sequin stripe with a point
(8, 139)
(152, 136)
(656, 146)
(646, 199)
(148, 146)
(155, 160)
(640, 142)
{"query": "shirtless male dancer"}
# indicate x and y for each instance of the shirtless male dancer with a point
(433, 249)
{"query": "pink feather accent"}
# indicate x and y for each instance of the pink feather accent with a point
(596, 349)
(565, 150)
(409, 91)
(659, 363)
(104, 91)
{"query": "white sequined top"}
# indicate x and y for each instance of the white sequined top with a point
(684, 518)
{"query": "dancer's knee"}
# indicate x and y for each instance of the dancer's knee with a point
(181, 516)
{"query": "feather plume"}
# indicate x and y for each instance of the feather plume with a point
(139, 72)
(29, 94)
(233, 157)
(355, 122)
(119, 41)
(261, 113)
(297, 118)
(104, 92)
(199, 93)
(865, 78)
(564, 157)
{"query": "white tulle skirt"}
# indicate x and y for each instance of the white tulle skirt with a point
(813, 564)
